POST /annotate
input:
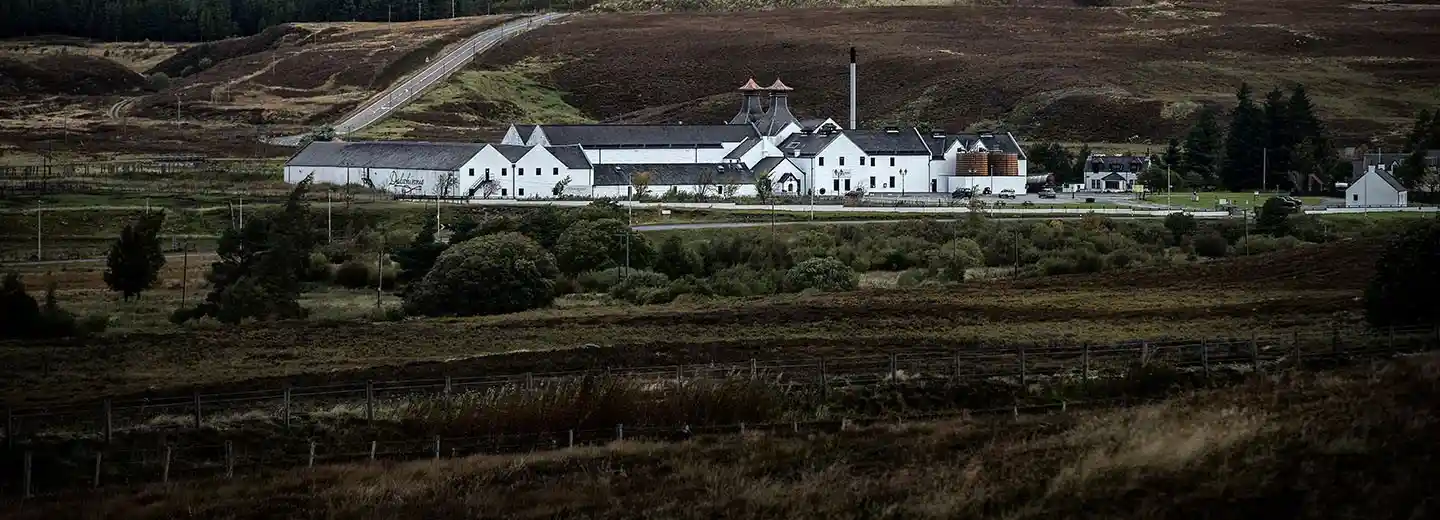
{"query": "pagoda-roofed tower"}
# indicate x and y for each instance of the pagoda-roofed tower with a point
(750, 109)
(779, 114)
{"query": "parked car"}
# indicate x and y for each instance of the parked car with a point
(1047, 193)
(986, 192)
(1006, 194)
(962, 193)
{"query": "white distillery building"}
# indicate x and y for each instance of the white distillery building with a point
(763, 139)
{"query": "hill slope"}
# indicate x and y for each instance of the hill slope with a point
(1046, 68)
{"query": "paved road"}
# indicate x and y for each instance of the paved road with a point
(729, 225)
(435, 72)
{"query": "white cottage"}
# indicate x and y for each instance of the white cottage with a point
(1376, 188)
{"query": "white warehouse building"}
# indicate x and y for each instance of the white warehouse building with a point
(763, 139)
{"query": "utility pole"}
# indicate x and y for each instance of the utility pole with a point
(1265, 169)
(379, 276)
(242, 212)
(630, 215)
(329, 230)
(184, 271)
(1169, 185)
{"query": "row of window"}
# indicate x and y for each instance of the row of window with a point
(518, 171)
(862, 161)
(892, 182)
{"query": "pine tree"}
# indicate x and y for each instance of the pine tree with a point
(135, 258)
(1318, 155)
(1279, 138)
(1423, 136)
(1201, 158)
(1172, 157)
(1082, 163)
(1240, 169)
(416, 259)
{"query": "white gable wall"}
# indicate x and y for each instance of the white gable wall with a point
(1371, 190)
(828, 170)
(512, 136)
(535, 175)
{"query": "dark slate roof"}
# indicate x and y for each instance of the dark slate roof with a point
(1113, 177)
(512, 152)
(807, 144)
(1004, 143)
(387, 154)
(744, 147)
(671, 174)
(646, 136)
(1390, 160)
(882, 142)
(810, 125)
(1384, 176)
(767, 165)
(1125, 160)
(571, 156)
(525, 131)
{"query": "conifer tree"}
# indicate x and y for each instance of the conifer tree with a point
(135, 258)
(1244, 143)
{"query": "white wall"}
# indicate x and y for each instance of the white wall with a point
(995, 183)
(779, 172)
(915, 179)
(488, 159)
(658, 155)
(512, 136)
(826, 174)
(535, 175)
(1371, 190)
(397, 181)
(657, 190)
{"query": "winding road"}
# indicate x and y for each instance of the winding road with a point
(436, 71)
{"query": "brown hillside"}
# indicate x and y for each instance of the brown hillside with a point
(42, 75)
(1051, 70)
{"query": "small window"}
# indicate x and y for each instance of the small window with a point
(504, 192)
(555, 171)
(522, 192)
(822, 161)
(502, 172)
(872, 161)
(842, 161)
(872, 183)
(892, 161)
(537, 171)
(1356, 198)
(472, 172)
(520, 171)
(847, 184)
(837, 182)
(892, 181)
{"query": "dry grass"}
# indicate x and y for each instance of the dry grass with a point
(1295, 446)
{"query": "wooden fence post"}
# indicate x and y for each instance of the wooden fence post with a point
(1022, 365)
(10, 428)
(98, 458)
(229, 459)
(1295, 347)
(165, 467)
(956, 368)
(312, 454)
(1144, 352)
(824, 381)
(287, 406)
(620, 432)
(1390, 342)
(370, 400)
(570, 439)
(1205, 358)
(437, 448)
(29, 464)
(1254, 354)
(1085, 360)
(754, 368)
(197, 409)
(742, 428)
(373, 445)
(1335, 341)
(109, 422)
(529, 381)
(449, 388)
(679, 375)
(894, 369)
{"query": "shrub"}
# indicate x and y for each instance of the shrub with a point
(318, 269)
(1055, 265)
(911, 278)
(588, 245)
(823, 274)
(158, 81)
(957, 256)
(493, 274)
(1211, 245)
(1406, 280)
(746, 281)
(353, 274)
(1258, 244)
(1179, 225)
(600, 281)
(643, 287)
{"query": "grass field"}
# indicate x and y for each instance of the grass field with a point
(1212, 199)
(1328, 434)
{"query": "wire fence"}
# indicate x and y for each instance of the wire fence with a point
(57, 472)
(104, 418)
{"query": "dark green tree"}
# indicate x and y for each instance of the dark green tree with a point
(135, 258)
(1201, 158)
(822, 274)
(492, 274)
(1244, 143)
(1053, 159)
(415, 259)
(1180, 225)
(545, 225)
(1425, 135)
(1081, 164)
(593, 245)
(1279, 138)
(261, 266)
(1314, 153)
(676, 260)
(1274, 216)
(19, 312)
(1406, 280)
(1172, 156)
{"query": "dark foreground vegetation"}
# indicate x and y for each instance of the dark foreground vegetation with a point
(1296, 445)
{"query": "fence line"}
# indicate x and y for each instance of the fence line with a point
(1024, 363)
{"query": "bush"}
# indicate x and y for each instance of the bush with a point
(1258, 244)
(1407, 278)
(493, 274)
(746, 281)
(158, 81)
(822, 274)
(643, 287)
(911, 278)
(353, 275)
(957, 256)
(1211, 245)
(588, 245)
(1180, 225)
(318, 268)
